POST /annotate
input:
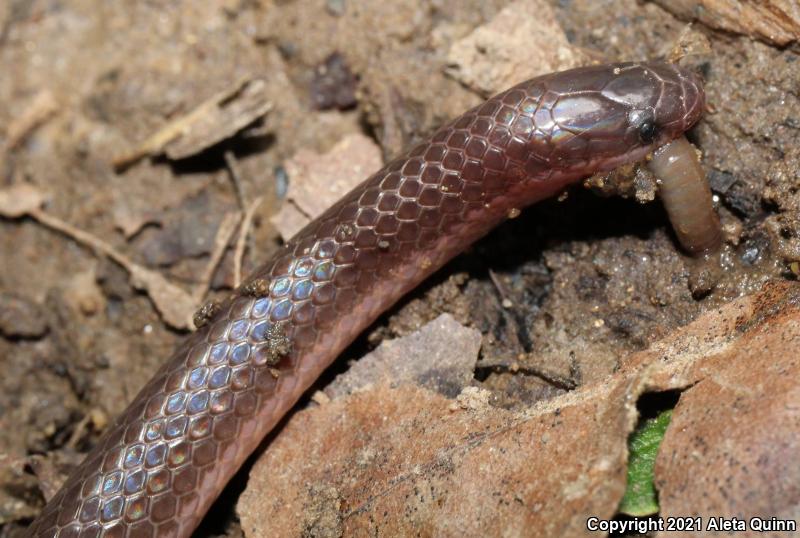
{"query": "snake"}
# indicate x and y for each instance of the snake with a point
(160, 465)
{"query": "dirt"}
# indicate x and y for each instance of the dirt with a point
(560, 294)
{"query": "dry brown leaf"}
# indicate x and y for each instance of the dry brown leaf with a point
(404, 462)
(400, 461)
(731, 448)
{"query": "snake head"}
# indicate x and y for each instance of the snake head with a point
(597, 118)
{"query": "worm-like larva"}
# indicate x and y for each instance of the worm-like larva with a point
(686, 196)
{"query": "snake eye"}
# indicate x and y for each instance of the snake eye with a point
(647, 131)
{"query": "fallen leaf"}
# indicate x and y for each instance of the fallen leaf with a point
(406, 461)
(175, 305)
(402, 462)
(731, 448)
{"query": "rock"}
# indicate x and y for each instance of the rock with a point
(522, 41)
(440, 356)
(20, 318)
(317, 181)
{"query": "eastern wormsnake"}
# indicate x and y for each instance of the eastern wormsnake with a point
(160, 465)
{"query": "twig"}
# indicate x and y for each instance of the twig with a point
(221, 241)
(501, 289)
(172, 302)
(81, 236)
(233, 171)
(242, 240)
(555, 379)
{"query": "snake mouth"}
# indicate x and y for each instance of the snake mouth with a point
(681, 102)
(679, 105)
(602, 165)
(624, 112)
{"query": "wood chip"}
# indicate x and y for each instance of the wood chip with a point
(774, 21)
(42, 107)
(211, 122)
(18, 200)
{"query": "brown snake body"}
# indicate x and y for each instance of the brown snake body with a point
(160, 465)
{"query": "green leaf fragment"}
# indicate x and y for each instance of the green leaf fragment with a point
(640, 495)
